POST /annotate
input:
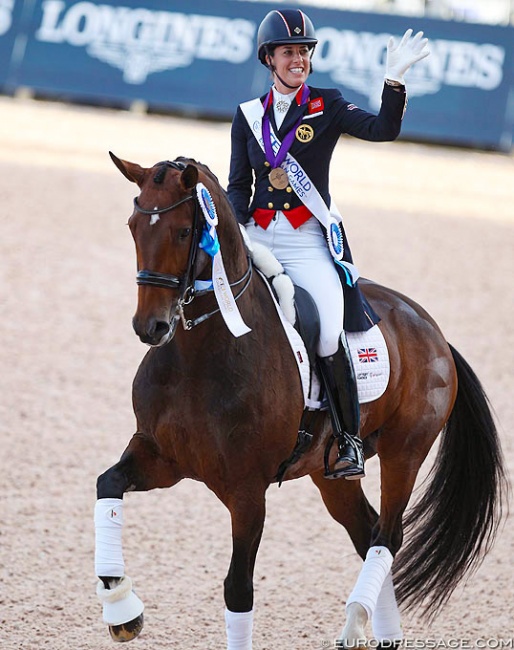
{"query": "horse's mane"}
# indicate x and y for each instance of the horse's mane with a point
(222, 195)
(161, 173)
(206, 170)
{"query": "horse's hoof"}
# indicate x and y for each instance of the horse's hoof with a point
(127, 631)
(122, 609)
(353, 635)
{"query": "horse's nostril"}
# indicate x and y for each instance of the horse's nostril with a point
(151, 332)
(160, 330)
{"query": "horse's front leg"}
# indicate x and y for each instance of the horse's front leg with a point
(247, 510)
(140, 468)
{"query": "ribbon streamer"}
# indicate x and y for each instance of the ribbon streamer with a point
(210, 243)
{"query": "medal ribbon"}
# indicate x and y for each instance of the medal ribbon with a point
(276, 161)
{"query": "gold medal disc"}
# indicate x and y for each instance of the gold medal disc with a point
(304, 133)
(278, 178)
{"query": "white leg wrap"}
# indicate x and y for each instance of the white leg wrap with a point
(371, 578)
(120, 605)
(386, 620)
(108, 526)
(239, 627)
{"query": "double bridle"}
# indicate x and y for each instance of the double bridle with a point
(185, 283)
(167, 280)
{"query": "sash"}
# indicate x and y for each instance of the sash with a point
(304, 189)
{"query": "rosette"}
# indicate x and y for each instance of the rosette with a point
(335, 240)
(207, 205)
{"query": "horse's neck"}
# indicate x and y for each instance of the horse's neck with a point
(235, 257)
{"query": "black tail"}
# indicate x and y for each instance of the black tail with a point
(453, 525)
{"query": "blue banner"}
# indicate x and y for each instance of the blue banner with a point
(199, 56)
(10, 13)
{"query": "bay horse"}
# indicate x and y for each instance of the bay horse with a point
(226, 410)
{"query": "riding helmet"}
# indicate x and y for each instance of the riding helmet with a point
(289, 26)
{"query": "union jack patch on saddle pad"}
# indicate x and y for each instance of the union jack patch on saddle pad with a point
(367, 355)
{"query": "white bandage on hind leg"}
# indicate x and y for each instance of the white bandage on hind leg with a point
(108, 527)
(371, 578)
(239, 627)
(386, 619)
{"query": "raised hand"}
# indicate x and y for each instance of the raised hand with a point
(400, 57)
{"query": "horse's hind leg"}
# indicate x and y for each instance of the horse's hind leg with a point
(140, 468)
(373, 595)
(347, 504)
(247, 511)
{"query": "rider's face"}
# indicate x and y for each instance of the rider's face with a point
(292, 64)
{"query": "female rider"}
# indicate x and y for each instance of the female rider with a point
(282, 144)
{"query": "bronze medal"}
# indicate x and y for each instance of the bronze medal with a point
(278, 178)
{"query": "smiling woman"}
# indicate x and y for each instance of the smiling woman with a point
(282, 144)
(291, 65)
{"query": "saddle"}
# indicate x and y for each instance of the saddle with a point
(307, 321)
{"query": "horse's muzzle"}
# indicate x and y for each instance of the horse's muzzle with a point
(154, 332)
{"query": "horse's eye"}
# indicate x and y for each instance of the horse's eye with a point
(184, 233)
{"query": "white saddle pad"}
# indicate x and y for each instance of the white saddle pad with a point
(371, 363)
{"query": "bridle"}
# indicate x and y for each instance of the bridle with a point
(185, 283)
(166, 280)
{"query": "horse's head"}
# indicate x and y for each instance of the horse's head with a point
(167, 226)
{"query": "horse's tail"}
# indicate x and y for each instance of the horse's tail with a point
(453, 525)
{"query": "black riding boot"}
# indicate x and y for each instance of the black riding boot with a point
(338, 378)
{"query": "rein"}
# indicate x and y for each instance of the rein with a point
(188, 324)
(185, 282)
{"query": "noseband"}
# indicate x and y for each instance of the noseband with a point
(184, 283)
(165, 280)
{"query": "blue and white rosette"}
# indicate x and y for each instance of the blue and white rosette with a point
(335, 240)
(336, 246)
(210, 244)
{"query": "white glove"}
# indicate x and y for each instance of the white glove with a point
(400, 58)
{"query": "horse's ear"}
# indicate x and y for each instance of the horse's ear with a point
(189, 177)
(132, 171)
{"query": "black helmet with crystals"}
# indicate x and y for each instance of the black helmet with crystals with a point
(286, 27)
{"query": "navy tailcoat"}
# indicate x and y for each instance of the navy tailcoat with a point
(329, 115)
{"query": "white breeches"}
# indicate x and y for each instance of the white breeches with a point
(306, 259)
